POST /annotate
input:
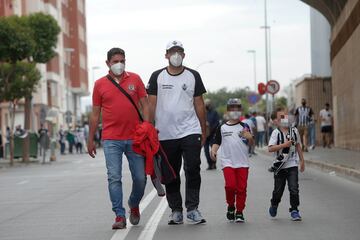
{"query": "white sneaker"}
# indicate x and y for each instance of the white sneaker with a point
(194, 216)
(176, 218)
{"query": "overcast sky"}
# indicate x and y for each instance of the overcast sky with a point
(211, 30)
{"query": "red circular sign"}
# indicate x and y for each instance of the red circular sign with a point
(261, 88)
(272, 87)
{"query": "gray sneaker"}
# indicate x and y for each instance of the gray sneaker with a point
(175, 218)
(194, 216)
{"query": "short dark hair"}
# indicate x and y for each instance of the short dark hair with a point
(327, 104)
(113, 52)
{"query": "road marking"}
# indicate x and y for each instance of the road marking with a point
(23, 182)
(121, 234)
(152, 224)
(150, 228)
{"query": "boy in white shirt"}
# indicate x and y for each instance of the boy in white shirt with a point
(231, 148)
(286, 143)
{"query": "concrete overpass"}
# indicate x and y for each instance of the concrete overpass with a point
(344, 18)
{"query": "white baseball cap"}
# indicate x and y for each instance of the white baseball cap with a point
(174, 43)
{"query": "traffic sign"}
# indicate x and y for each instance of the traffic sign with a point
(272, 87)
(261, 88)
(253, 98)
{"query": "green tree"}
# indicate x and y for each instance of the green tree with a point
(44, 32)
(25, 41)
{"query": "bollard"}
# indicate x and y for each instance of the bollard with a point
(52, 149)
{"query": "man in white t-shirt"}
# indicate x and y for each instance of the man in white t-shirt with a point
(285, 142)
(326, 117)
(176, 102)
(261, 124)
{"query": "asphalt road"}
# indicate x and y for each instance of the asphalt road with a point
(68, 200)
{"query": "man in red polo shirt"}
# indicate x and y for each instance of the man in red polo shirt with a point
(119, 118)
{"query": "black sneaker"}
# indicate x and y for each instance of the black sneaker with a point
(230, 214)
(239, 217)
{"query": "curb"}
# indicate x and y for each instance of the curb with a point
(344, 171)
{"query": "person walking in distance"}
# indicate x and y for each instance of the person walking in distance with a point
(261, 126)
(176, 102)
(230, 146)
(212, 122)
(119, 119)
(326, 117)
(303, 116)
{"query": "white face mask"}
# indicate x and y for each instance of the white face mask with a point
(117, 68)
(234, 115)
(176, 60)
(284, 122)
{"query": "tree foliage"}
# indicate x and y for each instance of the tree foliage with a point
(24, 78)
(16, 39)
(219, 99)
(45, 31)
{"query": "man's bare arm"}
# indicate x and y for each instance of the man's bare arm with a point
(201, 114)
(94, 122)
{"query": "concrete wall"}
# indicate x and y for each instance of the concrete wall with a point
(346, 81)
(320, 44)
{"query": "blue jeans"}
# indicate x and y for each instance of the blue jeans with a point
(260, 139)
(311, 136)
(114, 150)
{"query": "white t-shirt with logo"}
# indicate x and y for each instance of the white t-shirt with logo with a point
(175, 115)
(293, 161)
(233, 150)
(326, 116)
(260, 123)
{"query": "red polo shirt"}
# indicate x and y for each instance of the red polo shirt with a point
(119, 116)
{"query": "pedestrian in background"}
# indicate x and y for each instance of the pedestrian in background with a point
(70, 137)
(212, 122)
(326, 117)
(119, 120)
(61, 138)
(252, 126)
(261, 125)
(312, 133)
(303, 116)
(1, 147)
(285, 143)
(80, 139)
(176, 102)
(230, 147)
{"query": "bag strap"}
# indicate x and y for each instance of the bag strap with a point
(126, 94)
(280, 140)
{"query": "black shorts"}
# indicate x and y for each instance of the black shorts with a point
(326, 129)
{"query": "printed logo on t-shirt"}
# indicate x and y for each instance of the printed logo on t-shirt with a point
(167, 86)
(240, 134)
(131, 87)
(184, 87)
(227, 134)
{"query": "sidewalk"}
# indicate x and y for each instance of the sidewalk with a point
(335, 160)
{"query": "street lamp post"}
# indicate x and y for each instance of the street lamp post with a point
(266, 67)
(93, 75)
(205, 62)
(254, 57)
(68, 52)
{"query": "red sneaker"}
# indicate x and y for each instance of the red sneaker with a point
(134, 216)
(120, 223)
